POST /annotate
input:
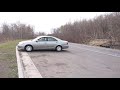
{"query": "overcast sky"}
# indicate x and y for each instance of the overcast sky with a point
(46, 21)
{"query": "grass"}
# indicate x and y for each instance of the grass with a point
(8, 62)
(98, 42)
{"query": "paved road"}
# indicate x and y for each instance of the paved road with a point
(79, 61)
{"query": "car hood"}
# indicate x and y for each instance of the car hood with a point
(25, 41)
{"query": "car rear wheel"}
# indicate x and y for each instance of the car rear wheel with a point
(59, 48)
(28, 48)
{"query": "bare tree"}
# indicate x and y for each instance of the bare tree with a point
(101, 27)
(17, 31)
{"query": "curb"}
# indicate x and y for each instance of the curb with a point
(19, 64)
(26, 67)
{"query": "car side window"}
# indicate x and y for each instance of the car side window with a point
(51, 39)
(42, 39)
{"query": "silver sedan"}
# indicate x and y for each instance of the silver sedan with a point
(43, 42)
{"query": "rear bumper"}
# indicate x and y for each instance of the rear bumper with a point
(65, 46)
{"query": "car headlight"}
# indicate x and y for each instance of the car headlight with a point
(20, 43)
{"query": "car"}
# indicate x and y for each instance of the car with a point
(43, 42)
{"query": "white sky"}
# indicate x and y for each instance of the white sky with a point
(46, 21)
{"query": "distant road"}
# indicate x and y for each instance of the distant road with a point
(79, 61)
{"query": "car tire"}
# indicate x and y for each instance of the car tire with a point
(59, 48)
(28, 48)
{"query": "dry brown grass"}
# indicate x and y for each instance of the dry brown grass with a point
(98, 42)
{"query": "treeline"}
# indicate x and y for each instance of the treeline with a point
(17, 31)
(101, 27)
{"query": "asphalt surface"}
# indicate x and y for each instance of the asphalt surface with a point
(79, 61)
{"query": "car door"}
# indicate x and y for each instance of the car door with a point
(51, 43)
(41, 43)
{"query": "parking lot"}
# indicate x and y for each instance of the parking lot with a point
(79, 61)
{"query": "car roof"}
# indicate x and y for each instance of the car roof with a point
(45, 36)
(48, 36)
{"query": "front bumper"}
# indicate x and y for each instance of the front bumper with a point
(20, 47)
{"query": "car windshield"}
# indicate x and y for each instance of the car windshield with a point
(36, 39)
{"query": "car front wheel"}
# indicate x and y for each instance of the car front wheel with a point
(59, 48)
(28, 48)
